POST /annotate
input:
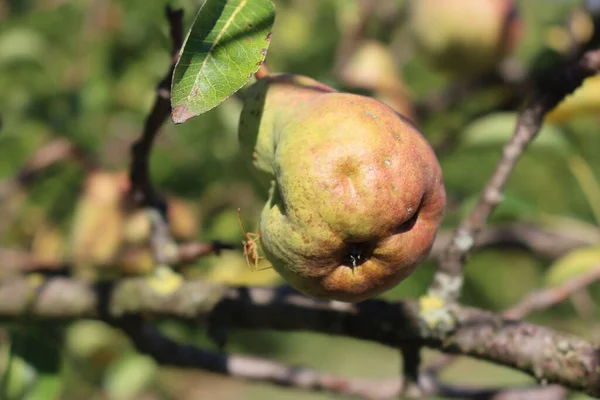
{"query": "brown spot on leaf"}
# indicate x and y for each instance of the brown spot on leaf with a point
(181, 113)
(268, 38)
(259, 63)
(263, 52)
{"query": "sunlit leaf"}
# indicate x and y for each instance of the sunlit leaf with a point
(226, 45)
(575, 263)
(585, 100)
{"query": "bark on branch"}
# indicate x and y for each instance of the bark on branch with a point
(550, 356)
(142, 190)
(168, 352)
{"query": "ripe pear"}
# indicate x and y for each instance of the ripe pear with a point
(464, 37)
(356, 194)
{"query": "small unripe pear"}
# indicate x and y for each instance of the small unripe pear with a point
(355, 191)
(464, 37)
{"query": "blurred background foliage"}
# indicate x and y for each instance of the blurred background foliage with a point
(86, 71)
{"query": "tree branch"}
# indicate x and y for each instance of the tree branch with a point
(165, 351)
(546, 298)
(538, 300)
(16, 262)
(142, 190)
(550, 356)
(448, 279)
(545, 243)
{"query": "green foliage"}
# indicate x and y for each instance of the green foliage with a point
(128, 375)
(226, 45)
(87, 71)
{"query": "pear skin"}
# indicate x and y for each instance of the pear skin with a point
(356, 194)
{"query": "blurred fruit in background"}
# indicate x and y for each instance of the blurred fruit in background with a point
(183, 219)
(577, 30)
(372, 67)
(464, 37)
(105, 229)
(96, 233)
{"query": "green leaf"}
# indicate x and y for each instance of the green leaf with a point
(575, 263)
(496, 129)
(129, 375)
(226, 45)
(47, 386)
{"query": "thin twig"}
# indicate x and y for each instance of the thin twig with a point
(16, 262)
(546, 243)
(546, 298)
(411, 362)
(192, 251)
(168, 352)
(448, 279)
(142, 190)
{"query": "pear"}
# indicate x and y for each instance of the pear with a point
(372, 67)
(356, 194)
(464, 37)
